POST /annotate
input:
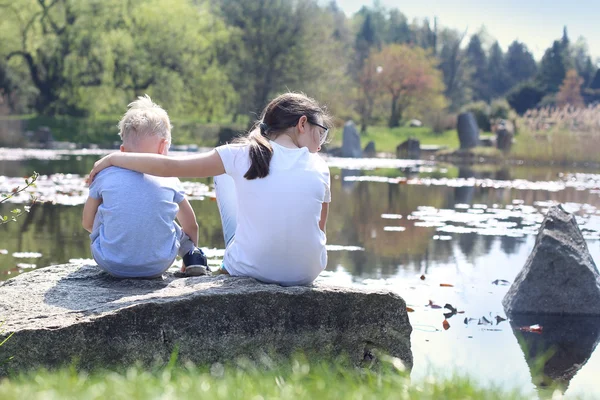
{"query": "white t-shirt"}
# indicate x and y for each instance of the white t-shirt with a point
(278, 238)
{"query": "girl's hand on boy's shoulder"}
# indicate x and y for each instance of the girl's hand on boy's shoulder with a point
(99, 165)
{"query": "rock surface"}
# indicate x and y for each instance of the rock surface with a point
(468, 131)
(559, 277)
(351, 141)
(71, 312)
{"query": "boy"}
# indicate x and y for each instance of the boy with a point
(131, 216)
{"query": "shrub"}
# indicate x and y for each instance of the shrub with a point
(500, 109)
(524, 97)
(481, 112)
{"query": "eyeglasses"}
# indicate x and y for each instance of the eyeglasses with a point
(322, 135)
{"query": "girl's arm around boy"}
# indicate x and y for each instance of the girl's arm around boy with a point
(196, 166)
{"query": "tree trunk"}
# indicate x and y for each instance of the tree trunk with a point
(395, 115)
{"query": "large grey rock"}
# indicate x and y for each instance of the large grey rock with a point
(64, 313)
(351, 141)
(468, 131)
(559, 277)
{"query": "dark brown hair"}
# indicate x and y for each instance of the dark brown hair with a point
(281, 113)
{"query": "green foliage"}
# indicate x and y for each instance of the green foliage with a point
(496, 72)
(456, 69)
(92, 57)
(553, 68)
(500, 109)
(525, 96)
(477, 59)
(17, 212)
(481, 111)
(520, 64)
(246, 379)
(274, 50)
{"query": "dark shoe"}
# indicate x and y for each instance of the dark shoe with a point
(195, 264)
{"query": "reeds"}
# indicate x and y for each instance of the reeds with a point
(562, 135)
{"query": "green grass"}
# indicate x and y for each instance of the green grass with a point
(297, 379)
(386, 139)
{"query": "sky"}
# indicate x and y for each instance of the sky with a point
(534, 22)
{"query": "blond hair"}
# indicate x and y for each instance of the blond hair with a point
(144, 119)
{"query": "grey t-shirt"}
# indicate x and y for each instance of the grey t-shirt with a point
(134, 232)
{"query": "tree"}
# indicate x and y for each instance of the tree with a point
(570, 91)
(269, 52)
(477, 59)
(496, 72)
(582, 61)
(367, 38)
(171, 54)
(369, 89)
(553, 68)
(88, 57)
(455, 68)
(397, 30)
(520, 64)
(407, 75)
(51, 36)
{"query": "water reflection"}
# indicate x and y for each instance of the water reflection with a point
(556, 355)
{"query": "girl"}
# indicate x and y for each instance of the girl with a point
(273, 191)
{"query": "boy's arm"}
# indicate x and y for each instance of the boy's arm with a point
(324, 213)
(89, 213)
(187, 219)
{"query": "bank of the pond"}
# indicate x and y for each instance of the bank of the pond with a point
(297, 379)
(554, 147)
(387, 139)
(520, 157)
(103, 130)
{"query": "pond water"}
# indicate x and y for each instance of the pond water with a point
(435, 234)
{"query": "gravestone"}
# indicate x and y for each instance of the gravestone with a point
(72, 312)
(504, 135)
(559, 277)
(369, 150)
(351, 141)
(410, 148)
(468, 131)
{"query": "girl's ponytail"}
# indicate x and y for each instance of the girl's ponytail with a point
(281, 113)
(261, 153)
